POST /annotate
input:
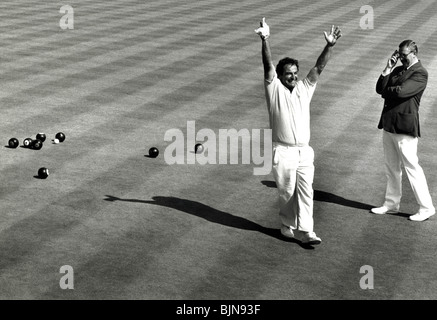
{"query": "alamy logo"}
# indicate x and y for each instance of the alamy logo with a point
(220, 147)
(67, 20)
(366, 21)
(67, 280)
(366, 281)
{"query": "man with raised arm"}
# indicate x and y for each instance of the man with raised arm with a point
(288, 103)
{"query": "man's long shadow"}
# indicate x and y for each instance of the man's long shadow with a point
(332, 198)
(328, 197)
(213, 215)
(224, 218)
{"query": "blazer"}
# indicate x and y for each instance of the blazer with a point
(402, 90)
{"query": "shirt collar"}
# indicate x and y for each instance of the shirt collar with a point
(412, 64)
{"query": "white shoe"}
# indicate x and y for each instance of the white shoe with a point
(310, 238)
(287, 232)
(383, 210)
(421, 216)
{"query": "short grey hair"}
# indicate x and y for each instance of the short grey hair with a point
(410, 44)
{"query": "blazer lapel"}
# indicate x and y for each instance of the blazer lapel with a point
(406, 73)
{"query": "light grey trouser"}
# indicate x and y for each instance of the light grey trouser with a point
(293, 170)
(402, 149)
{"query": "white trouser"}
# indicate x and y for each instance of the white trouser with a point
(402, 149)
(293, 170)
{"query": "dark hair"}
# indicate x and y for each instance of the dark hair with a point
(410, 44)
(281, 64)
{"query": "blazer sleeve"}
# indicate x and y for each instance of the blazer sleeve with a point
(409, 88)
(381, 84)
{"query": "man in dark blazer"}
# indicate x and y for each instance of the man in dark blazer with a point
(402, 88)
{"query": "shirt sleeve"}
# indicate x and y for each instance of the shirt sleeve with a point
(271, 89)
(307, 88)
(308, 83)
(275, 76)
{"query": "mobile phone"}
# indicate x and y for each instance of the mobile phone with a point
(395, 56)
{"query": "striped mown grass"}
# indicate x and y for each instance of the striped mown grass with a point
(133, 227)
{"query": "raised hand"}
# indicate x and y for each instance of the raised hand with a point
(393, 59)
(333, 36)
(264, 30)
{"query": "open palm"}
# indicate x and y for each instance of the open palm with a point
(333, 36)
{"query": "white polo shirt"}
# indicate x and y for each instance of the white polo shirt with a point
(289, 112)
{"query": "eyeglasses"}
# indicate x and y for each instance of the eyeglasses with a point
(404, 55)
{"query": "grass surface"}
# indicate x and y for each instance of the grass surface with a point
(134, 227)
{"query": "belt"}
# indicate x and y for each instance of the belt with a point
(289, 145)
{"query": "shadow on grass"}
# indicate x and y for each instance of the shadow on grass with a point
(332, 198)
(210, 214)
(328, 197)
